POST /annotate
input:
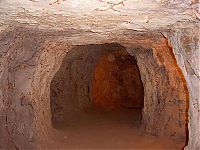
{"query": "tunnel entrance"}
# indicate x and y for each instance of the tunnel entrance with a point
(101, 93)
(102, 78)
(97, 87)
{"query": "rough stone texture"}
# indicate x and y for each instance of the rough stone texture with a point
(101, 16)
(116, 82)
(47, 65)
(70, 87)
(185, 43)
(30, 26)
(25, 76)
(17, 113)
(154, 59)
(165, 96)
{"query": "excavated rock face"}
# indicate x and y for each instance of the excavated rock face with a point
(116, 82)
(27, 69)
(71, 85)
(104, 17)
(165, 94)
(185, 43)
(27, 80)
(36, 35)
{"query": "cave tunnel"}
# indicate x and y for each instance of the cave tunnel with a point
(98, 93)
(103, 78)
(104, 74)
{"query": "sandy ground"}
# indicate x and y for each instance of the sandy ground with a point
(97, 130)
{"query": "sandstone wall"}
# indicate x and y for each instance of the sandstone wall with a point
(116, 82)
(165, 93)
(185, 43)
(18, 59)
(70, 87)
(29, 60)
(27, 64)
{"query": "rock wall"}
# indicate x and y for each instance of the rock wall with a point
(27, 64)
(165, 94)
(127, 22)
(17, 66)
(48, 63)
(30, 58)
(70, 87)
(185, 43)
(116, 82)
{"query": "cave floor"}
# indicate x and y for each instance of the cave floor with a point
(108, 130)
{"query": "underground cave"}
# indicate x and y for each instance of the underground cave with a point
(99, 74)
(102, 77)
(100, 92)
(99, 87)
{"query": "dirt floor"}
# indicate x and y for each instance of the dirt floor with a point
(108, 130)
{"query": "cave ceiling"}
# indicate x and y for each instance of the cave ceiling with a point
(101, 17)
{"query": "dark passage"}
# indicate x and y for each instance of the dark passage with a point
(97, 100)
(102, 77)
